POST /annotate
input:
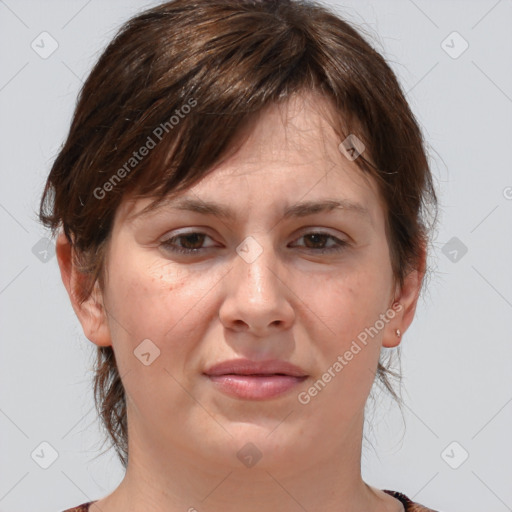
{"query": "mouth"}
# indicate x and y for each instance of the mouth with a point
(250, 380)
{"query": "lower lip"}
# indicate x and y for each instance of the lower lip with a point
(254, 387)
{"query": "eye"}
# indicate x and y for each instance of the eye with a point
(190, 243)
(318, 239)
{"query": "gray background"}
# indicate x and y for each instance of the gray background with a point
(456, 355)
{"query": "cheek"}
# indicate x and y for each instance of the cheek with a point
(153, 299)
(154, 318)
(348, 302)
(349, 336)
(143, 297)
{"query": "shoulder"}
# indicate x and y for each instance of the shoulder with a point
(84, 507)
(409, 505)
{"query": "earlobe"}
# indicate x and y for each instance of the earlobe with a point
(90, 312)
(406, 300)
(394, 330)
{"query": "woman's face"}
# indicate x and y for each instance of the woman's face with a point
(312, 288)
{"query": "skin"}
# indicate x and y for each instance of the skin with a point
(292, 303)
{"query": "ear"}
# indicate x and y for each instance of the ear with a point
(404, 303)
(91, 312)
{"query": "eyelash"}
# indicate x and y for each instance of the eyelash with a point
(168, 244)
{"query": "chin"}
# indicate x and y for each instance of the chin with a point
(265, 445)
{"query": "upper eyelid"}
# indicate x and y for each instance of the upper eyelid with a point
(205, 231)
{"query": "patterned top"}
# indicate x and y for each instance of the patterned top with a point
(409, 505)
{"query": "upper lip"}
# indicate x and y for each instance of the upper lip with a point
(248, 367)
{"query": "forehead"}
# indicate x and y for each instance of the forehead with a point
(299, 131)
(286, 153)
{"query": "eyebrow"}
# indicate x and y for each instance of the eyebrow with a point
(301, 209)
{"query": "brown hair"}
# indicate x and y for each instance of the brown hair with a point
(182, 80)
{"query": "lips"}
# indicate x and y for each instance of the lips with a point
(253, 380)
(248, 367)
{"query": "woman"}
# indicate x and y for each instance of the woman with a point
(241, 211)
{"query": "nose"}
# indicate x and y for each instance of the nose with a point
(257, 293)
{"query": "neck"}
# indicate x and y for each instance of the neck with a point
(324, 477)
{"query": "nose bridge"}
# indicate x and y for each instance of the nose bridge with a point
(254, 267)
